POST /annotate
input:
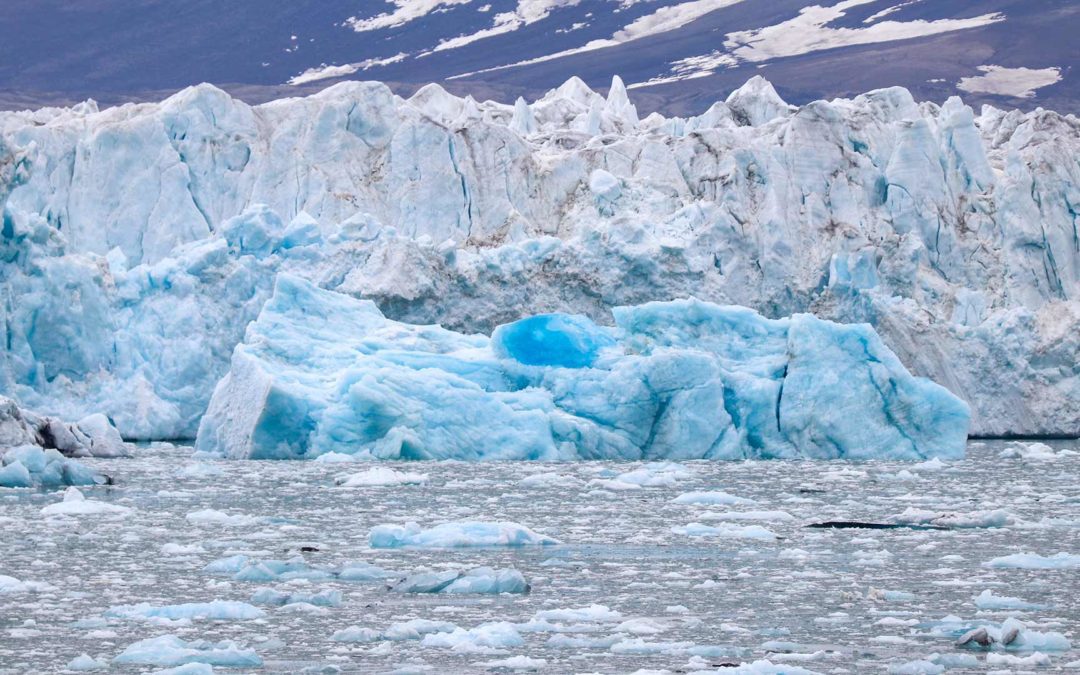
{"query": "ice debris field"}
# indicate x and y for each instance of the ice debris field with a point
(210, 565)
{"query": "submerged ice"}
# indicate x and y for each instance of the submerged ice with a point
(320, 372)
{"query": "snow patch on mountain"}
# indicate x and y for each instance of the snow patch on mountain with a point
(1018, 82)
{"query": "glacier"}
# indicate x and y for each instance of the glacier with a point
(137, 242)
(321, 372)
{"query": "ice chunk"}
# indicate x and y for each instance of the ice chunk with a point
(973, 519)
(726, 530)
(457, 535)
(715, 498)
(987, 600)
(218, 610)
(268, 596)
(187, 669)
(486, 638)
(379, 477)
(415, 629)
(515, 663)
(84, 663)
(170, 650)
(480, 580)
(9, 584)
(1034, 561)
(321, 372)
(76, 504)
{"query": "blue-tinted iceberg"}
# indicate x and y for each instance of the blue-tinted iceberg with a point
(322, 372)
(30, 466)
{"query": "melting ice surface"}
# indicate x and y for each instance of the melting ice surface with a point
(321, 372)
(285, 574)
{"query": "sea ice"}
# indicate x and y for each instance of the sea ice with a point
(456, 535)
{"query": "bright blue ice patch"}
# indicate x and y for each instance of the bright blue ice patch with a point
(565, 340)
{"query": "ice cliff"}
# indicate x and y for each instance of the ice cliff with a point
(137, 242)
(322, 372)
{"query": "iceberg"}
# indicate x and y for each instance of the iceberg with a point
(29, 466)
(140, 240)
(320, 372)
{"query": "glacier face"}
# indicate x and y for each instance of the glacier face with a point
(320, 372)
(138, 241)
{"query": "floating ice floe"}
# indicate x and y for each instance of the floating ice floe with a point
(714, 498)
(245, 568)
(988, 600)
(972, 519)
(457, 535)
(269, 596)
(217, 610)
(1034, 561)
(514, 663)
(30, 466)
(322, 372)
(1010, 634)
(213, 517)
(170, 650)
(9, 584)
(76, 504)
(414, 629)
(548, 480)
(379, 477)
(488, 638)
(480, 580)
(86, 663)
(726, 531)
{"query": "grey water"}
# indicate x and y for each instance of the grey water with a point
(827, 600)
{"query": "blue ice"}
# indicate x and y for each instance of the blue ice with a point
(321, 372)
